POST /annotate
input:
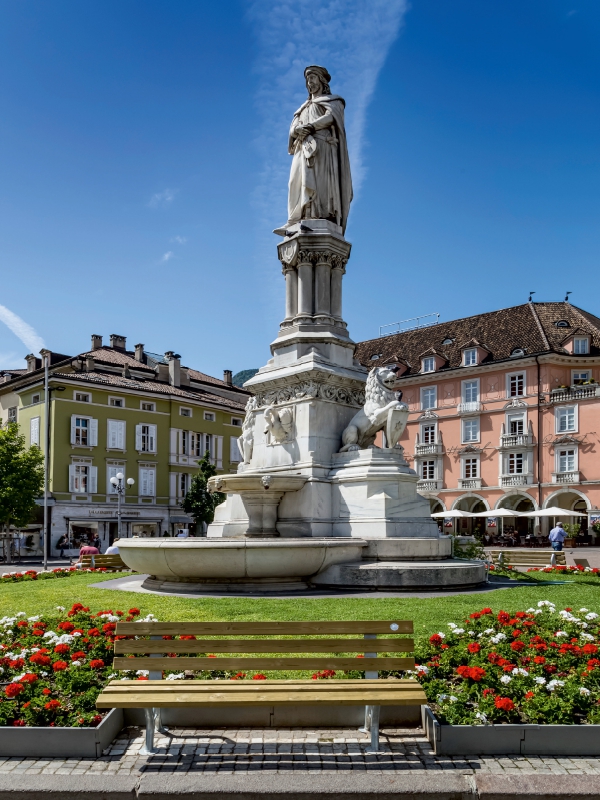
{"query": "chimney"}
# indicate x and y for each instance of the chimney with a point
(227, 377)
(30, 359)
(174, 360)
(96, 341)
(117, 342)
(139, 353)
(162, 373)
(90, 364)
(125, 373)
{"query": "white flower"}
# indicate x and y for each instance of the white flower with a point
(546, 603)
(505, 679)
(452, 625)
(76, 663)
(531, 610)
(422, 669)
(540, 681)
(33, 619)
(588, 636)
(50, 635)
(18, 678)
(113, 675)
(60, 608)
(591, 616)
(450, 697)
(443, 635)
(583, 610)
(584, 691)
(23, 614)
(472, 633)
(520, 671)
(499, 637)
(142, 672)
(581, 623)
(43, 673)
(76, 633)
(176, 676)
(66, 638)
(482, 717)
(487, 631)
(34, 649)
(560, 633)
(555, 684)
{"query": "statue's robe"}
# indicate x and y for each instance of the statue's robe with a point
(320, 184)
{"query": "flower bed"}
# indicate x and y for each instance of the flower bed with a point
(534, 666)
(561, 569)
(32, 575)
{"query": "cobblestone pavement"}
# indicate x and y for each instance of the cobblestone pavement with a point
(234, 751)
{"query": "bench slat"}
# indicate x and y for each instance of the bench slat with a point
(262, 628)
(196, 664)
(265, 646)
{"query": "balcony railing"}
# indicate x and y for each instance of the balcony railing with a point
(429, 486)
(565, 477)
(473, 407)
(434, 449)
(469, 483)
(506, 481)
(574, 393)
(516, 440)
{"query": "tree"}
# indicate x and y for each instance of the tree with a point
(21, 477)
(198, 502)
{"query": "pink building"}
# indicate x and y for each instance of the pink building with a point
(505, 409)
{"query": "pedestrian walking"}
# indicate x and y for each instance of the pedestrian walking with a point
(557, 537)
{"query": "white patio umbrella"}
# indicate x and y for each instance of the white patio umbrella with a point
(455, 513)
(553, 511)
(499, 512)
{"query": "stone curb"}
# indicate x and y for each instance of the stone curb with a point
(542, 787)
(68, 787)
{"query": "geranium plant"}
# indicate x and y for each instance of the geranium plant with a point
(33, 575)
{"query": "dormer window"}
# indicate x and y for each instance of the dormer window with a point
(517, 352)
(376, 356)
(428, 364)
(470, 357)
(562, 323)
(448, 341)
(581, 345)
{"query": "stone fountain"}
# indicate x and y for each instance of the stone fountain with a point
(315, 501)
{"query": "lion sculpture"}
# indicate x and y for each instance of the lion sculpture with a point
(382, 411)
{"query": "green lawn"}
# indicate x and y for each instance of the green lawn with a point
(429, 615)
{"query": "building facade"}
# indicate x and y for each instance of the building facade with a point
(504, 410)
(118, 411)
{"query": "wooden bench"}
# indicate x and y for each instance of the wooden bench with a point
(113, 563)
(154, 694)
(526, 557)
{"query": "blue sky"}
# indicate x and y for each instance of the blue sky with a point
(143, 164)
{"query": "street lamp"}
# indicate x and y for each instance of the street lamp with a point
(47, 400)
(117, 482)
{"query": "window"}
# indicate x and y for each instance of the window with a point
(148, 406)
(35, 398)
(581, 377)
(565, 419)
(83, 478)
(117, 402)
(515, 464)
(34, 431)
(516, 384)
(12, 414)
(111, 472)
(83, 397)
(562, 323)
(516, 424)
(184, 484)
(566, 461)
(517, 352)
(234, 451)
(470, 357)
(209, 416)
(376, 356)
(471, 429)
(428, 470)
(236, 421)
(209, 445)
(471, 467)
(429, 397)
(580, 345)
(448, 340)
(428, 434)
(145, 438)
(84, 431)
(428, 364)
(185, 412)
(471, 391)
(147, 482)
(115, 438)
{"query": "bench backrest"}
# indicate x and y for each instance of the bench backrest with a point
(109, 561)
(297, 653)
(516, 557)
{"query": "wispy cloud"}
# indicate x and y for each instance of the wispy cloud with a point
(179, 239)
(162, 199)
(168, 256)
(352, 39)
(21, 329)
(11, 360)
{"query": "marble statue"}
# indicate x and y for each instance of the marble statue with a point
(278, 424)
(320, 185)
(246, 440)
(382, 411)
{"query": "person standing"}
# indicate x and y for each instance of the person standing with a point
(62, 544)
(557, 537)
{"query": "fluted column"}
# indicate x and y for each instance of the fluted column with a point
(291, 292)
(305, 285)
(323, 285)
(337, 274)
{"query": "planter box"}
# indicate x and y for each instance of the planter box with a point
(61, 742)
(531, 740)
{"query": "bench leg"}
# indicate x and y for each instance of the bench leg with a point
(158, 721)
(148, 748)
(375, 728)
(367, 726)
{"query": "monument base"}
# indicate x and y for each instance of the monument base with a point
(403, 576)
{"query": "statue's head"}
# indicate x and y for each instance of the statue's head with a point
(317, 80)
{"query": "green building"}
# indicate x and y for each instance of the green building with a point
(112, 411)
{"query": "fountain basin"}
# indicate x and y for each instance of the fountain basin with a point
(237, 564)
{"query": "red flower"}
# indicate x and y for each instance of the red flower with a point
(550, 669)
(529, 695)
(473, 673)
(19, 723)
(66, 626)
(59, 666)
(445, 646)
(539, 660)
(40, 659)
(486, 611)
(94, 632)
(259, 677)
(108, 627)
(96, 663)
(435, 640)
(14, 689)
(475, 615)
(503, 618)
(29, 677)
(76, 656)
(517, 645)
(473, 647)
(62, 648)
(134, 612)
(95, 720)
(593, 662)
(516, 634)
(487, 692)
(187, 637)
(46, 691)
(238, 676)
(590, 649)
(22, 624)
(142, 678)
(504, 703)
(52, 705)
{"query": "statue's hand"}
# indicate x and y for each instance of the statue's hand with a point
(302, 131)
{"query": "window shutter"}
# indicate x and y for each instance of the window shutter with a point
(138, 438)
(72, 478)
(112, 434)
(152, 438)
(174, 448)
(219, 452)
(144, 482)
(93, 480)
(151, 476)
(93, 432)
(73, 428)
(111, 473)
(121, 435)
(234, 450)
(34, 431)
(173, 486)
